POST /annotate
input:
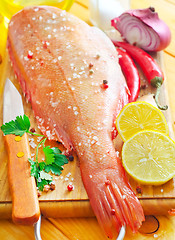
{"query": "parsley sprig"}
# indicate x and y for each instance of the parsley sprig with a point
(54, 159)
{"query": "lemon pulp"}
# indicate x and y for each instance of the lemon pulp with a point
(139, 116)
(149, 157)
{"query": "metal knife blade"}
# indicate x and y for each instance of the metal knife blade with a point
(13, 105)
(25, 205)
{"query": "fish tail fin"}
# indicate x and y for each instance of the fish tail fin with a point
(114, 203)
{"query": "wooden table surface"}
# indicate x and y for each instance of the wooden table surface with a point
(87, 228)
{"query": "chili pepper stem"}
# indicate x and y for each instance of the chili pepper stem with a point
(156, 97)
(157, 83)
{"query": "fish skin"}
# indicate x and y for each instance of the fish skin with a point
(51, 51)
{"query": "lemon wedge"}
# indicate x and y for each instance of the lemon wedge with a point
(139, 116)
(149, 157)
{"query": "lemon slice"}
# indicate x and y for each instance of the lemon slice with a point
(139, 116)
(149, 157)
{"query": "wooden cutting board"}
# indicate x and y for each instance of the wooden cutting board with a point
(61, 202)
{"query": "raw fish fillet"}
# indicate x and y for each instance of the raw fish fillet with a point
(61, 63)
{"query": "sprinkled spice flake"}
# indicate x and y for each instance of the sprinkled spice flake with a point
(139, 190)
(91, 71)
(97, 56)
(104, 85)
(45, 44)
(91, 65)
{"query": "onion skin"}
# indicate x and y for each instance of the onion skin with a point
(143, 28)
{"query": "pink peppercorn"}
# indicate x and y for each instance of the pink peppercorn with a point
(44, 44)
(70, 187)
(107, 182)
(104, 84)
(30, 54)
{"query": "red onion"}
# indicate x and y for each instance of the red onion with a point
(143, 28)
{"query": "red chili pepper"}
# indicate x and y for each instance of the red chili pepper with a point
(131, 73)
(148, 65)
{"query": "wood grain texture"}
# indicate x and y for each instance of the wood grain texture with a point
(82, 228)
(25, 207)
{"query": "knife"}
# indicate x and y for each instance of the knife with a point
(25, 204)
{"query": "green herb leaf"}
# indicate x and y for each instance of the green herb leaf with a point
(41, 165)
(54, 160)
(56, 150)
(18, 126)
(34, 168)
(54, 169)
(58, 160)
(49, 155)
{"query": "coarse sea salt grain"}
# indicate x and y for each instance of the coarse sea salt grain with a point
(54, 15)
(76, 113)
(26, 58)
(32, 144)
(68, 175)
(117, 153)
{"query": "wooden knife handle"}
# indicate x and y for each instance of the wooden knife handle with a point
(25, 204)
